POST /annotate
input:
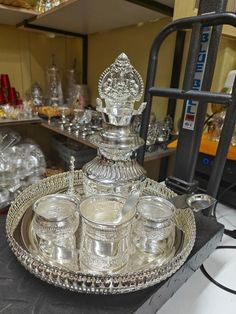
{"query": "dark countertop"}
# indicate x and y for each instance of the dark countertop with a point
(22, 293)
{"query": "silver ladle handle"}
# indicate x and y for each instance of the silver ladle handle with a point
(71, 190)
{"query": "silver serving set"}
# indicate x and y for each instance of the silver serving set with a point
(105, 229)
(81, 123)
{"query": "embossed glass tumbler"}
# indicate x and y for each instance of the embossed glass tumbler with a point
(55, 222)
(154, 228)
(105, 243)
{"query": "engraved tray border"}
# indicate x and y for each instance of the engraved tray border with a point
(88, 283)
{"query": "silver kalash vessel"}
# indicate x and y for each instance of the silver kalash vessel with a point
(115, 169)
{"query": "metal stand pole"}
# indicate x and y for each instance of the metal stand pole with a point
(176, 70)
(201, 59)
(198, 76)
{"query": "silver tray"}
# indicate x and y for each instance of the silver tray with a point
(141, 273)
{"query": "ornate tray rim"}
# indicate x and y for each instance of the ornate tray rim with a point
(88, 283)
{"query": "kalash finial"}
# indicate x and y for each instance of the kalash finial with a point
(120, 85)
(115, 169)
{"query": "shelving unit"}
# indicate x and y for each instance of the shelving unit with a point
(155, 155)
(57, 130)
(8, 122)
(159, 154)
(79, 18)
(14, 15)
(89, 16)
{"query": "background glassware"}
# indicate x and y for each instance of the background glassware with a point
(105, 240)
(152, 133)
(154, 229)
(158, 131)
(55, 222)
(36, 95)
(83, 125)
(72, 89)
(4, 197)
(168, 121)
(8, 138)
(55, 94)
(77, 115)
(151, 137)
(64, 111)
(233, 140)
(216, 125)
(81, 97)
(163, 132)
(136, 123)
(97, 120)
(21, 163)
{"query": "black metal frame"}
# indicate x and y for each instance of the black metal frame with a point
(155, 6)
(215, 19)
(175, 77)
(188, 138)
(176, 70)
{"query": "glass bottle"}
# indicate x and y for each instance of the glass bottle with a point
(71, 85)
(55, 94)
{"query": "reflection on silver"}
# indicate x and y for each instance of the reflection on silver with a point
(105, 240)
(154, 229)
(55, 222)
(140, 273)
